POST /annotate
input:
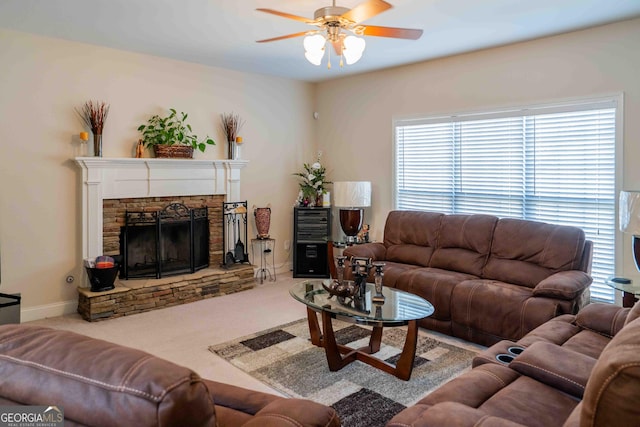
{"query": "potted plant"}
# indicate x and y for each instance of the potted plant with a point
(171, 136)
(312, 184)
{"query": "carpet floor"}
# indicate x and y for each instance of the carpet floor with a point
(284, 358)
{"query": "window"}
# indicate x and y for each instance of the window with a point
(553, 164)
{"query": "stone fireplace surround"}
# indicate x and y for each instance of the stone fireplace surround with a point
(110, 185)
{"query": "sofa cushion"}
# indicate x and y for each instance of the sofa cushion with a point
(556, 366)
(530, 403)
(413, 228)
(97, 380)
(392, 272)
(410, 254)
(527, 252)
(633, 314)
(434, 285)
(487, 311)
(604, 319)
(464, 242)
(611, 397)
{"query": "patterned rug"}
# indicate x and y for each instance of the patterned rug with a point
(284, 358)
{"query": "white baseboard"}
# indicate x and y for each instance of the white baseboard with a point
(48, 310)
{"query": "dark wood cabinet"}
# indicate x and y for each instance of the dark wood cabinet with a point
(311, 234)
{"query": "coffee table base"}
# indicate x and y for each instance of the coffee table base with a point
(335, 351)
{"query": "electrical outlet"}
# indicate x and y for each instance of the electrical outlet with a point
(287, 245)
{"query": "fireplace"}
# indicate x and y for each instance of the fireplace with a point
(174, 240)
(110, 186)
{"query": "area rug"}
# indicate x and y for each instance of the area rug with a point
(284, 358)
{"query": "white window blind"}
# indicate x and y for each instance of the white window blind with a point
(554, 164)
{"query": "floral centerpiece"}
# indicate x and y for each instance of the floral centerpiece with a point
(312, 186)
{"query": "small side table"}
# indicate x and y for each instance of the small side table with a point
(266, 248)
(630, 291)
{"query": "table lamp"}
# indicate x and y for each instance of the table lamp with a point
(351, 197)
(630, 220)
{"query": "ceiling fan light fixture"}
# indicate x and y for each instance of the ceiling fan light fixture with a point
(333, 23)
(353, 49)
(314, 48)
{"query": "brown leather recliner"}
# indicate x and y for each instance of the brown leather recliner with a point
(98, 383)
(574, 371)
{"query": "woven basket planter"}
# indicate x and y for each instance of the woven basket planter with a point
(179, 151)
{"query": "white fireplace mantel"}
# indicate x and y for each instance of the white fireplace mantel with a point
(119, 178)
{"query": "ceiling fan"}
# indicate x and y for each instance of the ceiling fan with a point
(340, 26)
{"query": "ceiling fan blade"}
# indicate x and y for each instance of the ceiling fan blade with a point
(366, 10)
(288, 36)
(397, 33)
(288, 15)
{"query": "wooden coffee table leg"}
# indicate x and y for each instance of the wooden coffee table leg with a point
(375, 340)
(405, 363)
(339, 356)
(335, 360)
(314, 328)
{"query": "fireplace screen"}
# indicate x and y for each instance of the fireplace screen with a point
(174, 240)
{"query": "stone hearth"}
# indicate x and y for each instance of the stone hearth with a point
(137, 296)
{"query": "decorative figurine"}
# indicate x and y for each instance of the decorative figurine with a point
(139, 149)
(378, 297)
(351, 293)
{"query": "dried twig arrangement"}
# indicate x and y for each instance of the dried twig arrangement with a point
(231, 125)
(94, 114)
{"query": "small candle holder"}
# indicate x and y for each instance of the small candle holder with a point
(378, 275)
(378, 312)
(340, 269)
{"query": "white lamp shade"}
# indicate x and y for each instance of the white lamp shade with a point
(352, 194)
(629, 208)
(353, 49)
(314, 48)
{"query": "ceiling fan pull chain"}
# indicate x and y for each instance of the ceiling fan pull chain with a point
(329, 62)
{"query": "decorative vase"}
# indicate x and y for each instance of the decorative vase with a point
(230, 153)
(97, 144)
(263, 221)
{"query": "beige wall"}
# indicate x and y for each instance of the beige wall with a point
(356, 113)
(43, 79)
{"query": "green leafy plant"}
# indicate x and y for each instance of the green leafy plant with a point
(170, 130)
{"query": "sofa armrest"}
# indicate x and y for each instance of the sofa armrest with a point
(375, 250)
(270, 410)
(294, 413)
(566, 285)
(238, 398)
(448, 414)
(605, 319)
(558, 367)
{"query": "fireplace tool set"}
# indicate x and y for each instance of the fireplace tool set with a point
(234, 215)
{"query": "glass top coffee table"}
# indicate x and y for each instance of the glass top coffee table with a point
(630, 289)
(398, 309)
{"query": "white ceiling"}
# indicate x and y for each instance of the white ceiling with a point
(223, 32)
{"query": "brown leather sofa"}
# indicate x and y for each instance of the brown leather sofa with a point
(489, 279)
(572, 371)
(98, 383)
